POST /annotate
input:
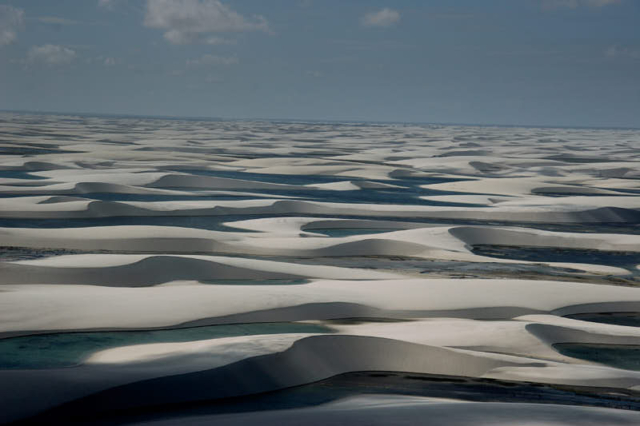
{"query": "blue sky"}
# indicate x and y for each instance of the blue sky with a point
(537, 62)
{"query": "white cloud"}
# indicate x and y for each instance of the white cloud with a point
(218, 41)
(382, 18)
(574, 4)
(191, 21)
(107, 4)
(11, 20)
(211, 60)
(109, 61)
(179, 37)
(50, 54)
(622, 52)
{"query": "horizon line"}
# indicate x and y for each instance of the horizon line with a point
(311, 120)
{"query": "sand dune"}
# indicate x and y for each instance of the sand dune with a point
(148, 263)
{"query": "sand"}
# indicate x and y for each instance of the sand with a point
(446, 251)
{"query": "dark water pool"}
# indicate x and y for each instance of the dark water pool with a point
(354, 384)
(266, 177)
(408, 192)
(621, 259)
(19, 174)
(397, 196)
(619, 356)
(630, 319)
(12, 254)
(112, 196)
(290, 179)
(21, 150)
(217, 222)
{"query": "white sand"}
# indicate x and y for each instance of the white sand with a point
(124, 194)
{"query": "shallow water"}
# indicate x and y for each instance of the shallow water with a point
(113, 196)
(256, 282)
(630, 319)
(416, 158)
(408, 191)
(11, 254)
(18, 174)
(406, 196)
(20, 151)
(627, 260)
(348, 232)
(619, 356)
(426, 267)
(266, 177)
(354, 384)
(70, 349)
(216, 223)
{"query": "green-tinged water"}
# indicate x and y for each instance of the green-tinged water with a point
(58, 350)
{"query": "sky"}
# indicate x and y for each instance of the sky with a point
(513, 62)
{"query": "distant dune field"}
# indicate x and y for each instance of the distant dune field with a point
(235, 272)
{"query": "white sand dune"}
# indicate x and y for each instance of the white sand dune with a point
(176, 304)
(177, 372)
(172, 366)
(137, 270)
(482, 257)
(280, 238)
(190, 181)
